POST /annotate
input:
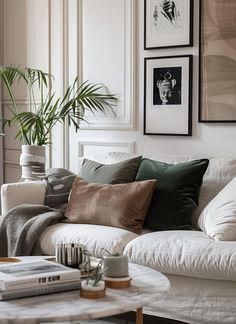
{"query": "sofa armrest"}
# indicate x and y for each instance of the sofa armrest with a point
(14, 194)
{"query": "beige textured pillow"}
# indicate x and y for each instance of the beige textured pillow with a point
(121, 205)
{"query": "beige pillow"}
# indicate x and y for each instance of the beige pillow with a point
(120, 205)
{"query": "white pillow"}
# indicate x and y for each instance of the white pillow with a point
(218, 218)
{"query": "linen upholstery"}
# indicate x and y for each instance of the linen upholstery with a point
(96, 238)
(121, 205)
(27, 192)
(218, 219)
(184, 253)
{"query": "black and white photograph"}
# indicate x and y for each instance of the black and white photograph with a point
(167, 95)
(168, 23)
(167, 86)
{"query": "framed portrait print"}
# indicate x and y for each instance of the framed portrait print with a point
(168, 23)
(168, 95)
(217, 67)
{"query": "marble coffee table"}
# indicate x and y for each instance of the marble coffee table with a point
(147, 285)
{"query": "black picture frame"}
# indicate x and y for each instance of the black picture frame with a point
(168, 95)
(166, 30)
(217, 65)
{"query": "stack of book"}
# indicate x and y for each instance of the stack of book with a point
(34, 278)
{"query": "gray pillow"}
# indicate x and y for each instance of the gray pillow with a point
(121, 172)
(58, 183)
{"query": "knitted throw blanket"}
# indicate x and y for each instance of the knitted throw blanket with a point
(22, 226)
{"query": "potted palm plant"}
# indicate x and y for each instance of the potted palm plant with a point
(47, 110)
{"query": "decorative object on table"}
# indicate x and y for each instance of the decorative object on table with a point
(168, 23)
(37, 291)
(34, 274)
(115, 265)
(116, 270)
(217, 96)
(70, 254)
(168, 95)
(47, 110)
(94, 286)
(117, 283)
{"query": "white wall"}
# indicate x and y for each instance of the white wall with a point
(25, 43)
(98, 60)
(1, 139)
(101, 40)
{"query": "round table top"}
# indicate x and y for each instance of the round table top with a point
(146, 285)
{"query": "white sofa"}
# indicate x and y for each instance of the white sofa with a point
(201, 270)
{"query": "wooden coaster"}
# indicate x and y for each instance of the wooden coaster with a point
(117, 283)
(92, 294)
(6, 259)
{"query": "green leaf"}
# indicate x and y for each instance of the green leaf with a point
(35, 126)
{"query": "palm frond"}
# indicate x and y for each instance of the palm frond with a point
(35, 126)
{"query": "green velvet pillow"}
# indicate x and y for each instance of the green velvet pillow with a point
(176, 193)
(121, 172)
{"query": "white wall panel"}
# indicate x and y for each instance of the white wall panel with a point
(108, 57)
(96, 150)
(207, 139)
(57, 47)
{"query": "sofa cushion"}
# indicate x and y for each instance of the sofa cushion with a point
(120, 172)
(219, 172)
(95, 238)
(186, 253)
(120, 205)
(58, 183)
(176, 194)
(218, 219)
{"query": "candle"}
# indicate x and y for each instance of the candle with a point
(115, 265)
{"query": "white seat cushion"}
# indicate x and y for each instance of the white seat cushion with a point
(187, 253)
(96, 238)
(218, 219)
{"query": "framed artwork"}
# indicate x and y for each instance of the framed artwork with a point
(168, 23)
(217, 67)
(168, 95)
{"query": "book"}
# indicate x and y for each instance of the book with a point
(41, 290)
(35, 273)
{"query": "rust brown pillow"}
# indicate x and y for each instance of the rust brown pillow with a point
(120, 205)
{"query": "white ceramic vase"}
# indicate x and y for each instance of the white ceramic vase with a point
(32, 161)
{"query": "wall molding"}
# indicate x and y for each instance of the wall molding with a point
(127, 121)
(98, 150)
(124, 147)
